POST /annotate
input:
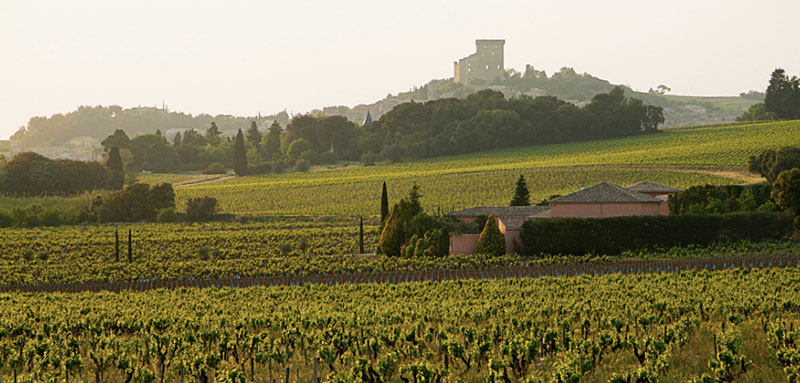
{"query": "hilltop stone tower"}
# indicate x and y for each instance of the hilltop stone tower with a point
(486, 64)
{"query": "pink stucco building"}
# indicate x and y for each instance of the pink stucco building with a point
(602, 200)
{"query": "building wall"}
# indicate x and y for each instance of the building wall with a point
(597, 210)
(463, 243)
(486, 64)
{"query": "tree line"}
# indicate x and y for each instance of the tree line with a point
(782, 100)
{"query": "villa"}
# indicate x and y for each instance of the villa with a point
(602, 200)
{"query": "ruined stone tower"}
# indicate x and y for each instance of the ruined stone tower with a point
(486, 64)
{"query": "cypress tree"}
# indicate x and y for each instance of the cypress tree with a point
(239, 155)
(361, 235)
(253, 135)
(522, 197)
(116, 244)
(384, 203)
(130, 247)
(491, 241)
(114, 163)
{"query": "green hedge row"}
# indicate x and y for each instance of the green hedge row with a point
(614, 235)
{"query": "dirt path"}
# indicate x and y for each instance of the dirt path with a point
(204, 181)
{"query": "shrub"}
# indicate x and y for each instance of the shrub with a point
(215, 168)
(166, 215)
(369, 159)
(201, 208)
(491, 240)
(5, 219)
(614, 235)
(302, 165)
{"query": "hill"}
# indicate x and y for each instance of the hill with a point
(680, 157)
(100, 121)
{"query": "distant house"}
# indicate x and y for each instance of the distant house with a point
(602, 200)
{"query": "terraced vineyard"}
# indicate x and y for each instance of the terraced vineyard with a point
(487, 178)
(735, 325)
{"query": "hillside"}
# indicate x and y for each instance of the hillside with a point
(100, 121)
(681, 157)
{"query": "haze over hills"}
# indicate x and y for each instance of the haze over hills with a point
(59, 132)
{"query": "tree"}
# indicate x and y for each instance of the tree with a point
(783, 95)
(384, 203)
(393, 234)
(756, 112)
(271, 144)
(161, 157)
(491, 240)
(176, 141)
(663, 89)
(201, 208)
(239, 155)
(298, 147)
(770, 163)
(114, 164)
(786, 190)
(212, 135)
(119, 139)
(162, 196)
(522, 196)
(653, 116)
(253, 135)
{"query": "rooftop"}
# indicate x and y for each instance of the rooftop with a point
(605, 192)
(652, 187)
(502, 211)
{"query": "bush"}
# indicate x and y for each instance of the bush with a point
(5, 219)
(580, 236)
(166, 215)
(215, 168)
(491, 240)
(302, 165)
(369, 159)
(201, 208)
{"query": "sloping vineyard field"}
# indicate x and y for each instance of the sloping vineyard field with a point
(448, 191)
(736, 325)
(487, 178)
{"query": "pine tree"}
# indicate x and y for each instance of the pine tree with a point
(491, 240)
(114, 163)
(253, 135)
(521, 195)
(212, 135)
(239, 155)
(384, 203)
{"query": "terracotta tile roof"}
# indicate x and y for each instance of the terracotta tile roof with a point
(652, 187)
(515, 222)
(501, 211)
(605, 192)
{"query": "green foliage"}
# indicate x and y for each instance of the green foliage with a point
(756, 112)
(384, 203)
(114, 164)
(770, 163)
(521, 196)
(491, 240)
(215, 168)
(135, 203)
(786, 190)
(298, 147)
(34, 175)
(254, 136)
(166, 215)
(201, 208)
(711, 199)
(617, 234)
(302, 165)
(783, 96)
(239, 155)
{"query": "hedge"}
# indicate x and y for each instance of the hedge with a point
(614, 235)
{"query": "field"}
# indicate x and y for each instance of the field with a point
(681, 157)
(740, 325)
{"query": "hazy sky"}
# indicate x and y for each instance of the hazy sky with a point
(242, 58)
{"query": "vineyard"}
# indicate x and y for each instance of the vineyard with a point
(733, 325)
(670, 157)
